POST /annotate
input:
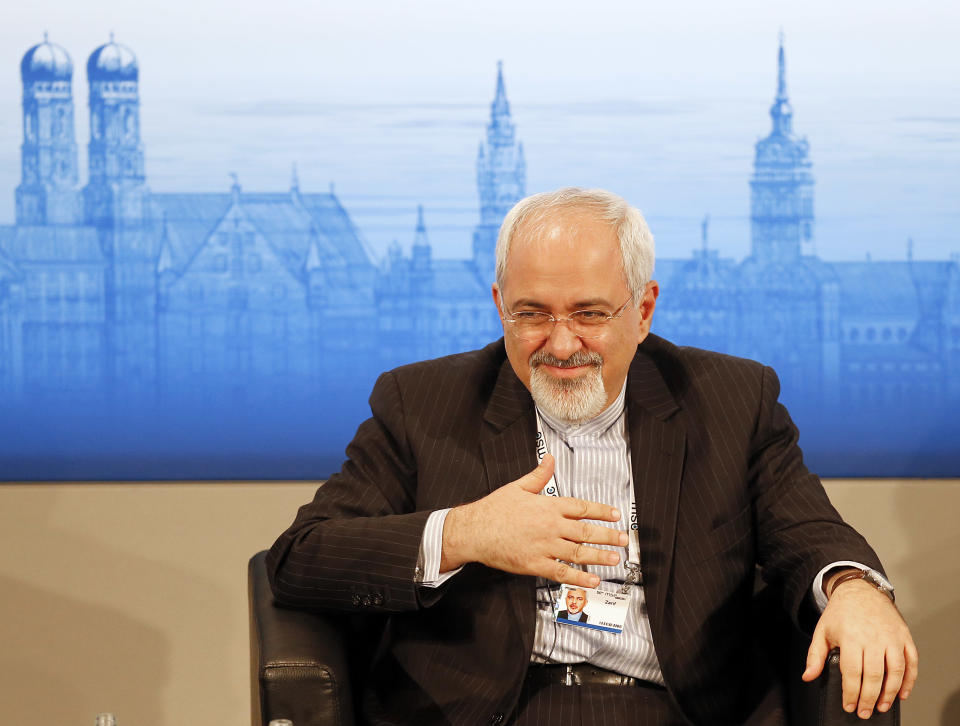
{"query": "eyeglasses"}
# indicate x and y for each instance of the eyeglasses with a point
(537, 325)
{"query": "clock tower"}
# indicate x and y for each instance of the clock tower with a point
(781, 190)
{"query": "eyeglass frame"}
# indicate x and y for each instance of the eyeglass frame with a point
(554, 319)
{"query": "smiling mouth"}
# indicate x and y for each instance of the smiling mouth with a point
(577, 365)
(566, 372)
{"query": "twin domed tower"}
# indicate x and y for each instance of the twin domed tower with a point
(116, 196)
(145, 293)
(115, 192)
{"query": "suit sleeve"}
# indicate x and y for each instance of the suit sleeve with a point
(356, 544)
(798, 531)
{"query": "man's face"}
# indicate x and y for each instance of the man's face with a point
(572, 263)
(576, 599)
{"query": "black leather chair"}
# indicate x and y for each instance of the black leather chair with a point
(301, 665)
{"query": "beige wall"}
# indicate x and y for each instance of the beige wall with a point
(132, 597)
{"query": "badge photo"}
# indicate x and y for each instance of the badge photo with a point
(591, 607)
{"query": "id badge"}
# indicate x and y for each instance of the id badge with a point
(600, 608)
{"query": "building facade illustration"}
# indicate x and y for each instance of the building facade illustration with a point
(114, 291)
(845, 335)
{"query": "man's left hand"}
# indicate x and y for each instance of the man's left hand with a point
(878, 657)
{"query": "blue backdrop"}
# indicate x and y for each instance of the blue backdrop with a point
(182, 294)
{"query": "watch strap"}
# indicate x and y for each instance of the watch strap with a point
(858, 574)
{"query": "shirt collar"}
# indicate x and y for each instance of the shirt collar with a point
(595, 426)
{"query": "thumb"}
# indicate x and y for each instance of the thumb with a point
(816, 656)
(536, 480)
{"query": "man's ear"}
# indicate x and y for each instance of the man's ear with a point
(647, 304)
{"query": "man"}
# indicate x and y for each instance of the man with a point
(576, 601)
(442, 518)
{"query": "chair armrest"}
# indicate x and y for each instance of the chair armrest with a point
(831, 696)
(820, 703)
(298, 658)
(784, 647)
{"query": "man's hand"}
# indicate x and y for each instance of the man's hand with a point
(877, 653)
(515, 530)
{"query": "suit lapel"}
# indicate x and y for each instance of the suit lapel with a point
(509, 440)
(657, 443)
(508, 450)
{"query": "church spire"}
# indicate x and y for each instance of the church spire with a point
(421, 245)
(780, 111)
(420, 237)
(781, 73)
(500, 105)
(501, 179)
(781, 189)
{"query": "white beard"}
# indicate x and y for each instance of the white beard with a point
(574, 400)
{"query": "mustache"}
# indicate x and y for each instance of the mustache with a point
(579, 358)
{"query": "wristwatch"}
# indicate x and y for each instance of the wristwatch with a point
(874, 578)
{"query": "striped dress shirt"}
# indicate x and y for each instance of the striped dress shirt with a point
(593, 463)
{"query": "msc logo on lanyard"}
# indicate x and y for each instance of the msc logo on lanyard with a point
(551, 488)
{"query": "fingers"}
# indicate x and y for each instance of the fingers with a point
(583, 531)
(873, 665)
(868, 675)
(816, 656)
(912, 668)
(862, 676)
(563, 573)
(538, 478)
(573, 508)
(896, 668)
(580, 554)
(851, 669)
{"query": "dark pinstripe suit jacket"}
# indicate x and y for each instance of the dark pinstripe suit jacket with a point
(720, 486)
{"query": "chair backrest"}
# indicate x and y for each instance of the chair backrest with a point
(300, 667)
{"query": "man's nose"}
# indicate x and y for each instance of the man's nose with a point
(562, 343)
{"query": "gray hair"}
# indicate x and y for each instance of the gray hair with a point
(633, 234)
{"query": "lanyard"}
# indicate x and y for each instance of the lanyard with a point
(633, 550)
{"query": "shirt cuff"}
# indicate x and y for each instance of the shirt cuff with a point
(820, 598)
(431, 549)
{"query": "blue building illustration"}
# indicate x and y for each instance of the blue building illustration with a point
(842, 336)
(115, 295)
